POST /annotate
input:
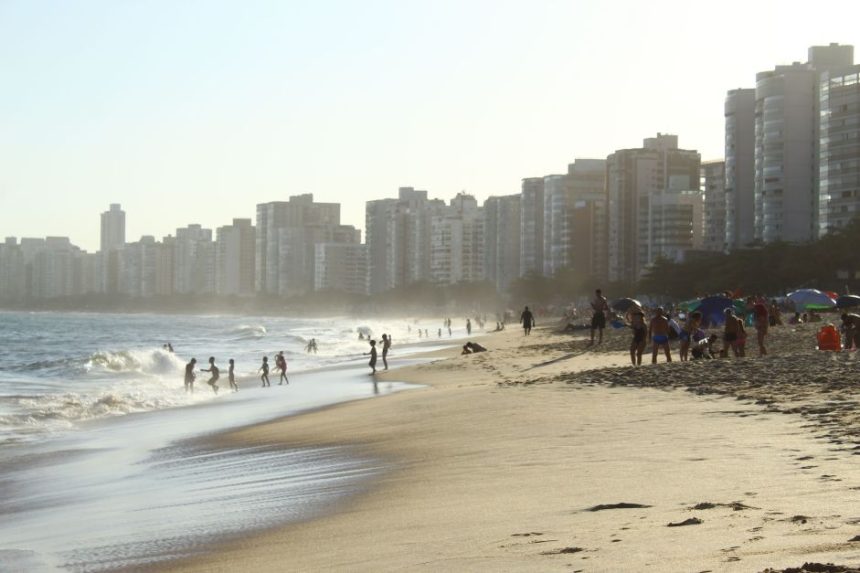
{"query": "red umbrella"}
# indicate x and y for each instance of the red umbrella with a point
(831, 294)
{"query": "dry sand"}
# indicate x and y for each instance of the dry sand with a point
(518, 460)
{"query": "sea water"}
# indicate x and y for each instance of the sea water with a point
(103, 464)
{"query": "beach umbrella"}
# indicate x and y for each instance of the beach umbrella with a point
(713, 309)
(688, 305)
(831, 294)
(624, 304)
(848, 301)
(810, 299)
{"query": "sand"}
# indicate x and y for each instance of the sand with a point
(525, 458)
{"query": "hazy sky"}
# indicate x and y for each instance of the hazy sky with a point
(195, 111)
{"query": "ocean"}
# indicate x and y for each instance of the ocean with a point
(104, 463)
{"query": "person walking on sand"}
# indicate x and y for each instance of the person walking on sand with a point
(468, 326)
(640, 335)
(265, 370)
(231, 377)
(733, 333)
(372, 353)
(528, 321)
(386, 345)
(762, 322)
(189, 376)
(658, 331)
(214, 371)
(599, 308)
(281, 364)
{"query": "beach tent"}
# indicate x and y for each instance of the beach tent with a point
(848, 301)
(688, 305)
(811, 299)
(713, 309)
(624, 304)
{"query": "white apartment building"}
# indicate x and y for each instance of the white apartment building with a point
(713, 187)
(502, 240)
(235, 258)
(341, 267)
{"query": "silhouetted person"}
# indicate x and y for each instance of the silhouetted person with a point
(189, 375)
(213, 370)
(599, 307)
(265, 370)
(169, 347)
(386, 345)
(468, 326)
(231, 377)
(528, 320)
(281, 364)
(472, 348)
(372, 353)
(658, 330)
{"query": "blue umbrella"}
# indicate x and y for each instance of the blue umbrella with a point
(810, 298)
(848, 301)
(713, 309)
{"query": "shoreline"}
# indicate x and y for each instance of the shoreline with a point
(475, 481)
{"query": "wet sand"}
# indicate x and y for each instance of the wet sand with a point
(525, 458)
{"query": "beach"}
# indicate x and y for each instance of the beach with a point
(545, 455)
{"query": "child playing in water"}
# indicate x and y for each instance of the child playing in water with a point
(215, 374)
(372, 353)
(231, 377)
(265, 370)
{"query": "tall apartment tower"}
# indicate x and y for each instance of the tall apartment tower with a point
(235, 258)
(839, 148)
(587, 237)
(654, 205)
(113, 228)
(740, 168)
(457, 242)
(531, 226)
(502, 240)
(786, 152)
(713, 185)
(193, 261)
(558, 202)
(397, 234)
(287, 232)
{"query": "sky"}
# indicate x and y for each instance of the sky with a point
(188, 111)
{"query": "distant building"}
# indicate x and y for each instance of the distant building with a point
(558, 203)
(740, 168)
(341, 267)
(397, 234)
(235, 258)
(588, 234)
(457, 242)
(651, 196)
(713, 186)
(786, 156)
(194, 261)
(286, 234)
(532, 226)
(502, 240)
(112, 228)
(12, 270)
(839, 148)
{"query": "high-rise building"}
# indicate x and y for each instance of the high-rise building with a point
(286, 234)
(502, 240)
(12, 270)
(531, 226)
(397, 233)
(650, 214)
(558, 203)
(112, 228)
(235, 258)
(839, 148)
(587, 236)
(457, 242)
(786, 155)
(341, 267)
(740, 168)
(194, 261)
(713, 185)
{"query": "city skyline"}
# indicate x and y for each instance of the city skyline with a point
(197, 117)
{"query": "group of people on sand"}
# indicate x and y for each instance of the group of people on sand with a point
(215, 373)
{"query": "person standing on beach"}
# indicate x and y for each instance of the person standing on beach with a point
(386, 345)
(215, 374)
(189, 376)
(372, 353)
(762, 322)
(850, 330)
(640, 334)
(468, 326)
(528, 321)
(733, 333)
(281, 364)
(658, 331)
(231, 377)
(686, 334)
(599, 307)
(265, 370)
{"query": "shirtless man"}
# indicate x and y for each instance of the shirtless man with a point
(734, 333)
(189, 376)
(851, 330)
(599, 307)
(215, 374)
(640, 335)
(762, 322)
(658, 331)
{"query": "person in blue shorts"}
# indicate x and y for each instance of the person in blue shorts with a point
(658, 331)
